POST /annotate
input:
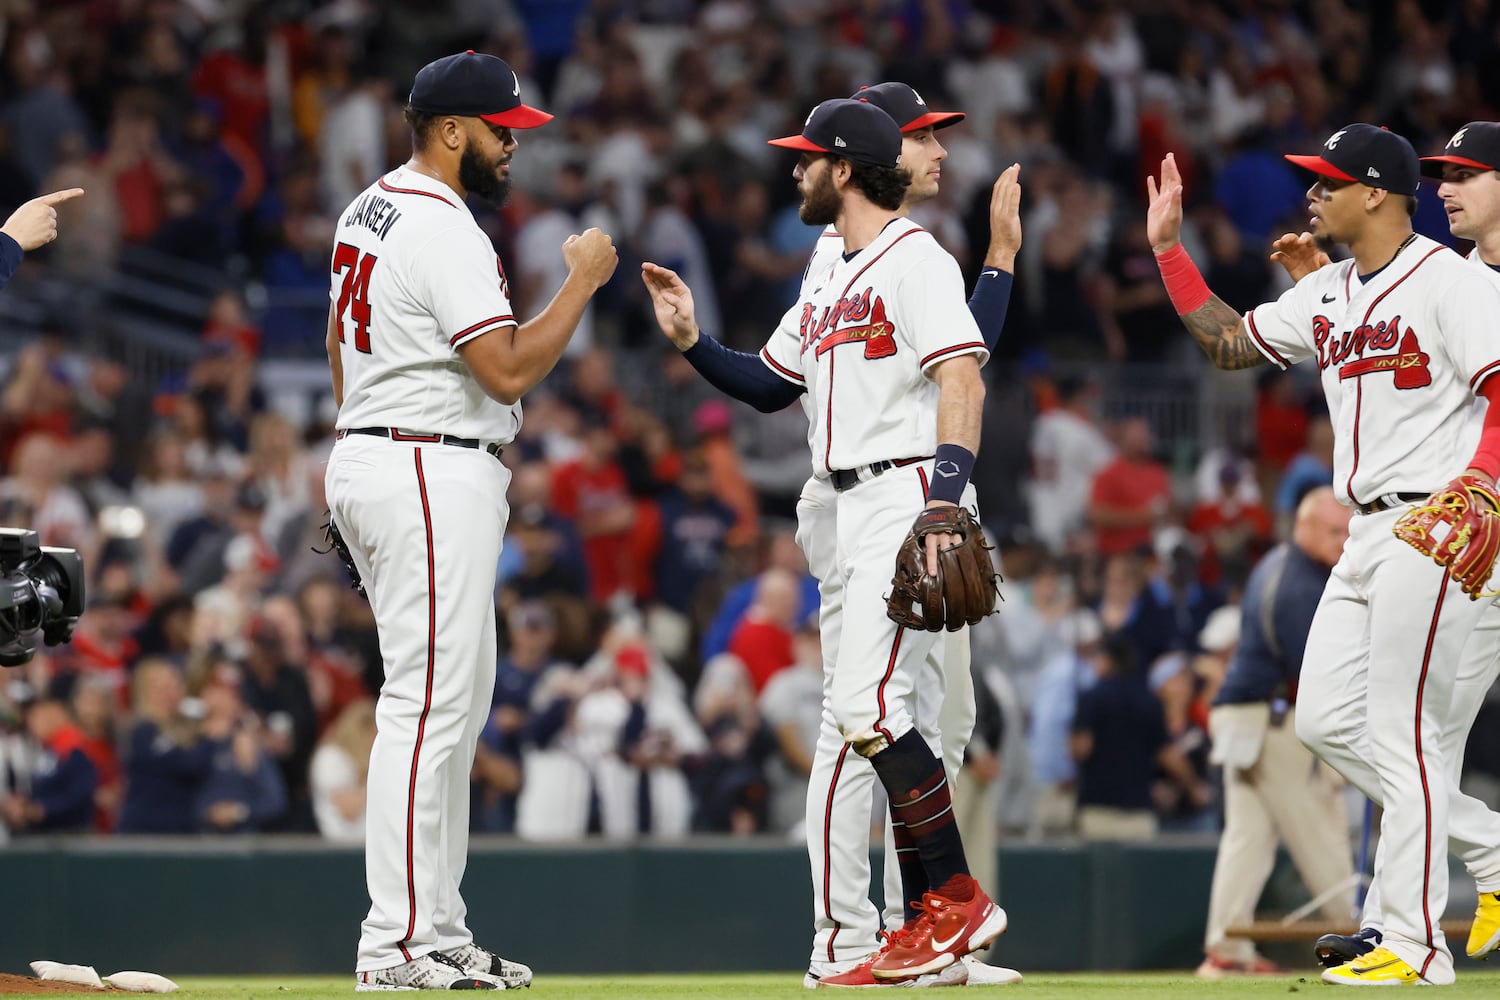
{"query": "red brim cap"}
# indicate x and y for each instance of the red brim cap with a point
(1320, 166)
(1437, 162)
(934, 119)
(520, 116)
(801, 142)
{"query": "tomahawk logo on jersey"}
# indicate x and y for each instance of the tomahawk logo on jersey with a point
(1400, 356)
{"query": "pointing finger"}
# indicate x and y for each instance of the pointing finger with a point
(58, 197)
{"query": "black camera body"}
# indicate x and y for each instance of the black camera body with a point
(41, 592)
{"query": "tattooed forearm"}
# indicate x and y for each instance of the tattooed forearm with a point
(1221, 332)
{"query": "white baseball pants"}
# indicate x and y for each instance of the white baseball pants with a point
(425, 525)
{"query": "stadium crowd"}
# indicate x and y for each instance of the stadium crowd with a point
(660, 669)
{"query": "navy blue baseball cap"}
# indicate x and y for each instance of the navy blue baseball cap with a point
(1369, 155)
(1475, 145)
(474, 85)
(851, 130)
(906, 106)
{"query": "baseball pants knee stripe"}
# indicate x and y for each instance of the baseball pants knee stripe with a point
(890, 668)
(833, 785)
(1437, 611)
(416, 753)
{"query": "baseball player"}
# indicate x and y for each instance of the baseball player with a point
(889, 307)
(1470, 190)
(845, 922)
(32, 225)
(1401, 334)
(428, 369)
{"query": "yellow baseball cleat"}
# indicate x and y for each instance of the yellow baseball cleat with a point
(1380, 967)
(1484, 935)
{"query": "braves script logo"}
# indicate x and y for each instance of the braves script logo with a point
(852, 318)
(1408, 361)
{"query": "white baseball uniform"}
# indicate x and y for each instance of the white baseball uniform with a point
(942, 704)
(1401, 355)
(414, 278)
(1468, 817)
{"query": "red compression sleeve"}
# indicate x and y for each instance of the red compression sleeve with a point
(1185, 286)
(1487, 457)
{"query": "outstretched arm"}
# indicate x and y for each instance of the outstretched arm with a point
(991, 298)
(1217, 328)
(736, 374)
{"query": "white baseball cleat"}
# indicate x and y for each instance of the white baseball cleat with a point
(483, 962)
(983, 974)
(433, 971)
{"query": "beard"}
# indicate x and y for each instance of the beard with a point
(479, 177)
(820, 206)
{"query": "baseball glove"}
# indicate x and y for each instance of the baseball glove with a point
(1459, 527)
(964, 590)
(337, 544)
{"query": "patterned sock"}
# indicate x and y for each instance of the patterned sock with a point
(920, 801)
(909, 861)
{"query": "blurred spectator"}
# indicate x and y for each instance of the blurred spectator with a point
(1130, 495)
(544, 221)
(792, 705)
(783, 554)
(61, 796)
(591, 493)
(1133, 305)
(1119, 739)
(93, 704)
(38, 480)
(763, 639)
(1281, 421)
(1310, 468)
(714, 421)
(277, 691)
(243, 791)
(1067, 673)
(1233, 533)
(1067, 451)
(166, 761)
(339, 773)
(731, 793)
(694, 528)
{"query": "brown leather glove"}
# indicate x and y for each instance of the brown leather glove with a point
(965, 588)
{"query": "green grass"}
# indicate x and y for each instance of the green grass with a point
(771, 986)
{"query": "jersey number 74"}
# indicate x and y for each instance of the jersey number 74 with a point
(354, 293)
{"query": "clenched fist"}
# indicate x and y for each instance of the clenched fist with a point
(591, 256)
(34, 224)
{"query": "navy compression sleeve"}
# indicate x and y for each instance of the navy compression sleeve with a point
(989, 303)
(742, 376)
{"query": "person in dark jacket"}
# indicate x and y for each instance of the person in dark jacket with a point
(166, 761)
(64, 780)
(243, 790)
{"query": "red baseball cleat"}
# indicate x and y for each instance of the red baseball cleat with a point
(946, 931)
(860, 977)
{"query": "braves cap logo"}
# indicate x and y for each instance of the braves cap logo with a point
(1333, 140)
(1458, 138)
(918, 98)
(808, 120)
(517, 91)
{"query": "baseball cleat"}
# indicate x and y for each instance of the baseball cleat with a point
(433, 971)
(860, 977)
(1380, 967)
(1484, 934)
(1334, 950)
(983, 974)
(512, 975)
(1214, 967)
(945, 931)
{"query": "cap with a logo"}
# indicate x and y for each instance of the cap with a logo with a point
(1367, 154)
(1475, 145)
(851, 130)
(906, 106)
(474, 85)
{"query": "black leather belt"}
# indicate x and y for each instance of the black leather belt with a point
(1388, 501)
(396, 434)
(844, 479)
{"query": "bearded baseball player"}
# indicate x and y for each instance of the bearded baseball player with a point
(895, 429)
(845, 922)
(1470, 190)
(429, 366)
(1401, 335)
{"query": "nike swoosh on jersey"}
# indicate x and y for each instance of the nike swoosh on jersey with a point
(1327, 299)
